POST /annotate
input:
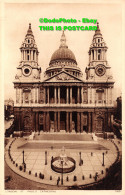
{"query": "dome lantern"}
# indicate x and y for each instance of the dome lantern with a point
(63, 41)
(63, 54)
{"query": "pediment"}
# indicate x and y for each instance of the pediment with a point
(63, 77)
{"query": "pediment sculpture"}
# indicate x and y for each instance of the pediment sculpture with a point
(64, 77)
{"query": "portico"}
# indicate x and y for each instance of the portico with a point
(56, 121)
(68, 94)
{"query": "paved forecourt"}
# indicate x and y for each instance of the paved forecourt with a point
(34, 158)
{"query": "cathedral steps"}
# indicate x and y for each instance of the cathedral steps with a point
(64, 137)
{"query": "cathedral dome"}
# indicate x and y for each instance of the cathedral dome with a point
(63, 53)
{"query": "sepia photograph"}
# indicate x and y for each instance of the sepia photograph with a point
(63, 78)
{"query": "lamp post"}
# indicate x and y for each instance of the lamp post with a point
(80, 158)
(62, 173)
(23, 157)
(45, 157)
(103, 159)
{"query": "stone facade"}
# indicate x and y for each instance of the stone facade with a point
(63, 100)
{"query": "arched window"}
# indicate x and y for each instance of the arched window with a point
(100, 95)
(26, 92)
(93, 54)
(99, 54)
(28, 56)
(33, 54)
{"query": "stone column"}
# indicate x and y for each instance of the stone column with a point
(91, 55)
(30, 97)
(78, 95)
(104, 96)
(58, 95)
(47, 122)
(37, 95)
(93, 95)
(34, 95)
(67, 121)
(48, 95)
(44, 121)
(78, 122)
(107, 96)
(58, 121)
(22, 55)
(81, 122)
(71, 95)
(105, 54)
(44, 91)
(44, 97)
(19, 121)
(31, 55)
(55, 121)
(34, 55)
(37, 122)
(55, 95)
(102, 54)
(70, 121)
(16, 95)
(89, 122)
(67, 95)
(82, 95)
(93, 121)
(20, 97)
(110, 95)
(88, 95)
(25, 54)
(95, 54)
(23, 98)
(106, 119)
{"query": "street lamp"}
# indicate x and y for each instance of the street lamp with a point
(62, 172)
(80, 158)
(103, 158)
(45, 157)
(23, 157)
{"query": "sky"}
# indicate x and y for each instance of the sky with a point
(17, 17)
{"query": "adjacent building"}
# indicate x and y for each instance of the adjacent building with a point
(63, 100)
(8, 108)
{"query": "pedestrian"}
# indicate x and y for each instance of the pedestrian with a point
(58, 181)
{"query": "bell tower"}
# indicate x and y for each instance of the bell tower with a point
(98, 68)
(28, 68)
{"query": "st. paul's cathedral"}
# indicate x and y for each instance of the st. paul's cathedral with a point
(63, 100)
